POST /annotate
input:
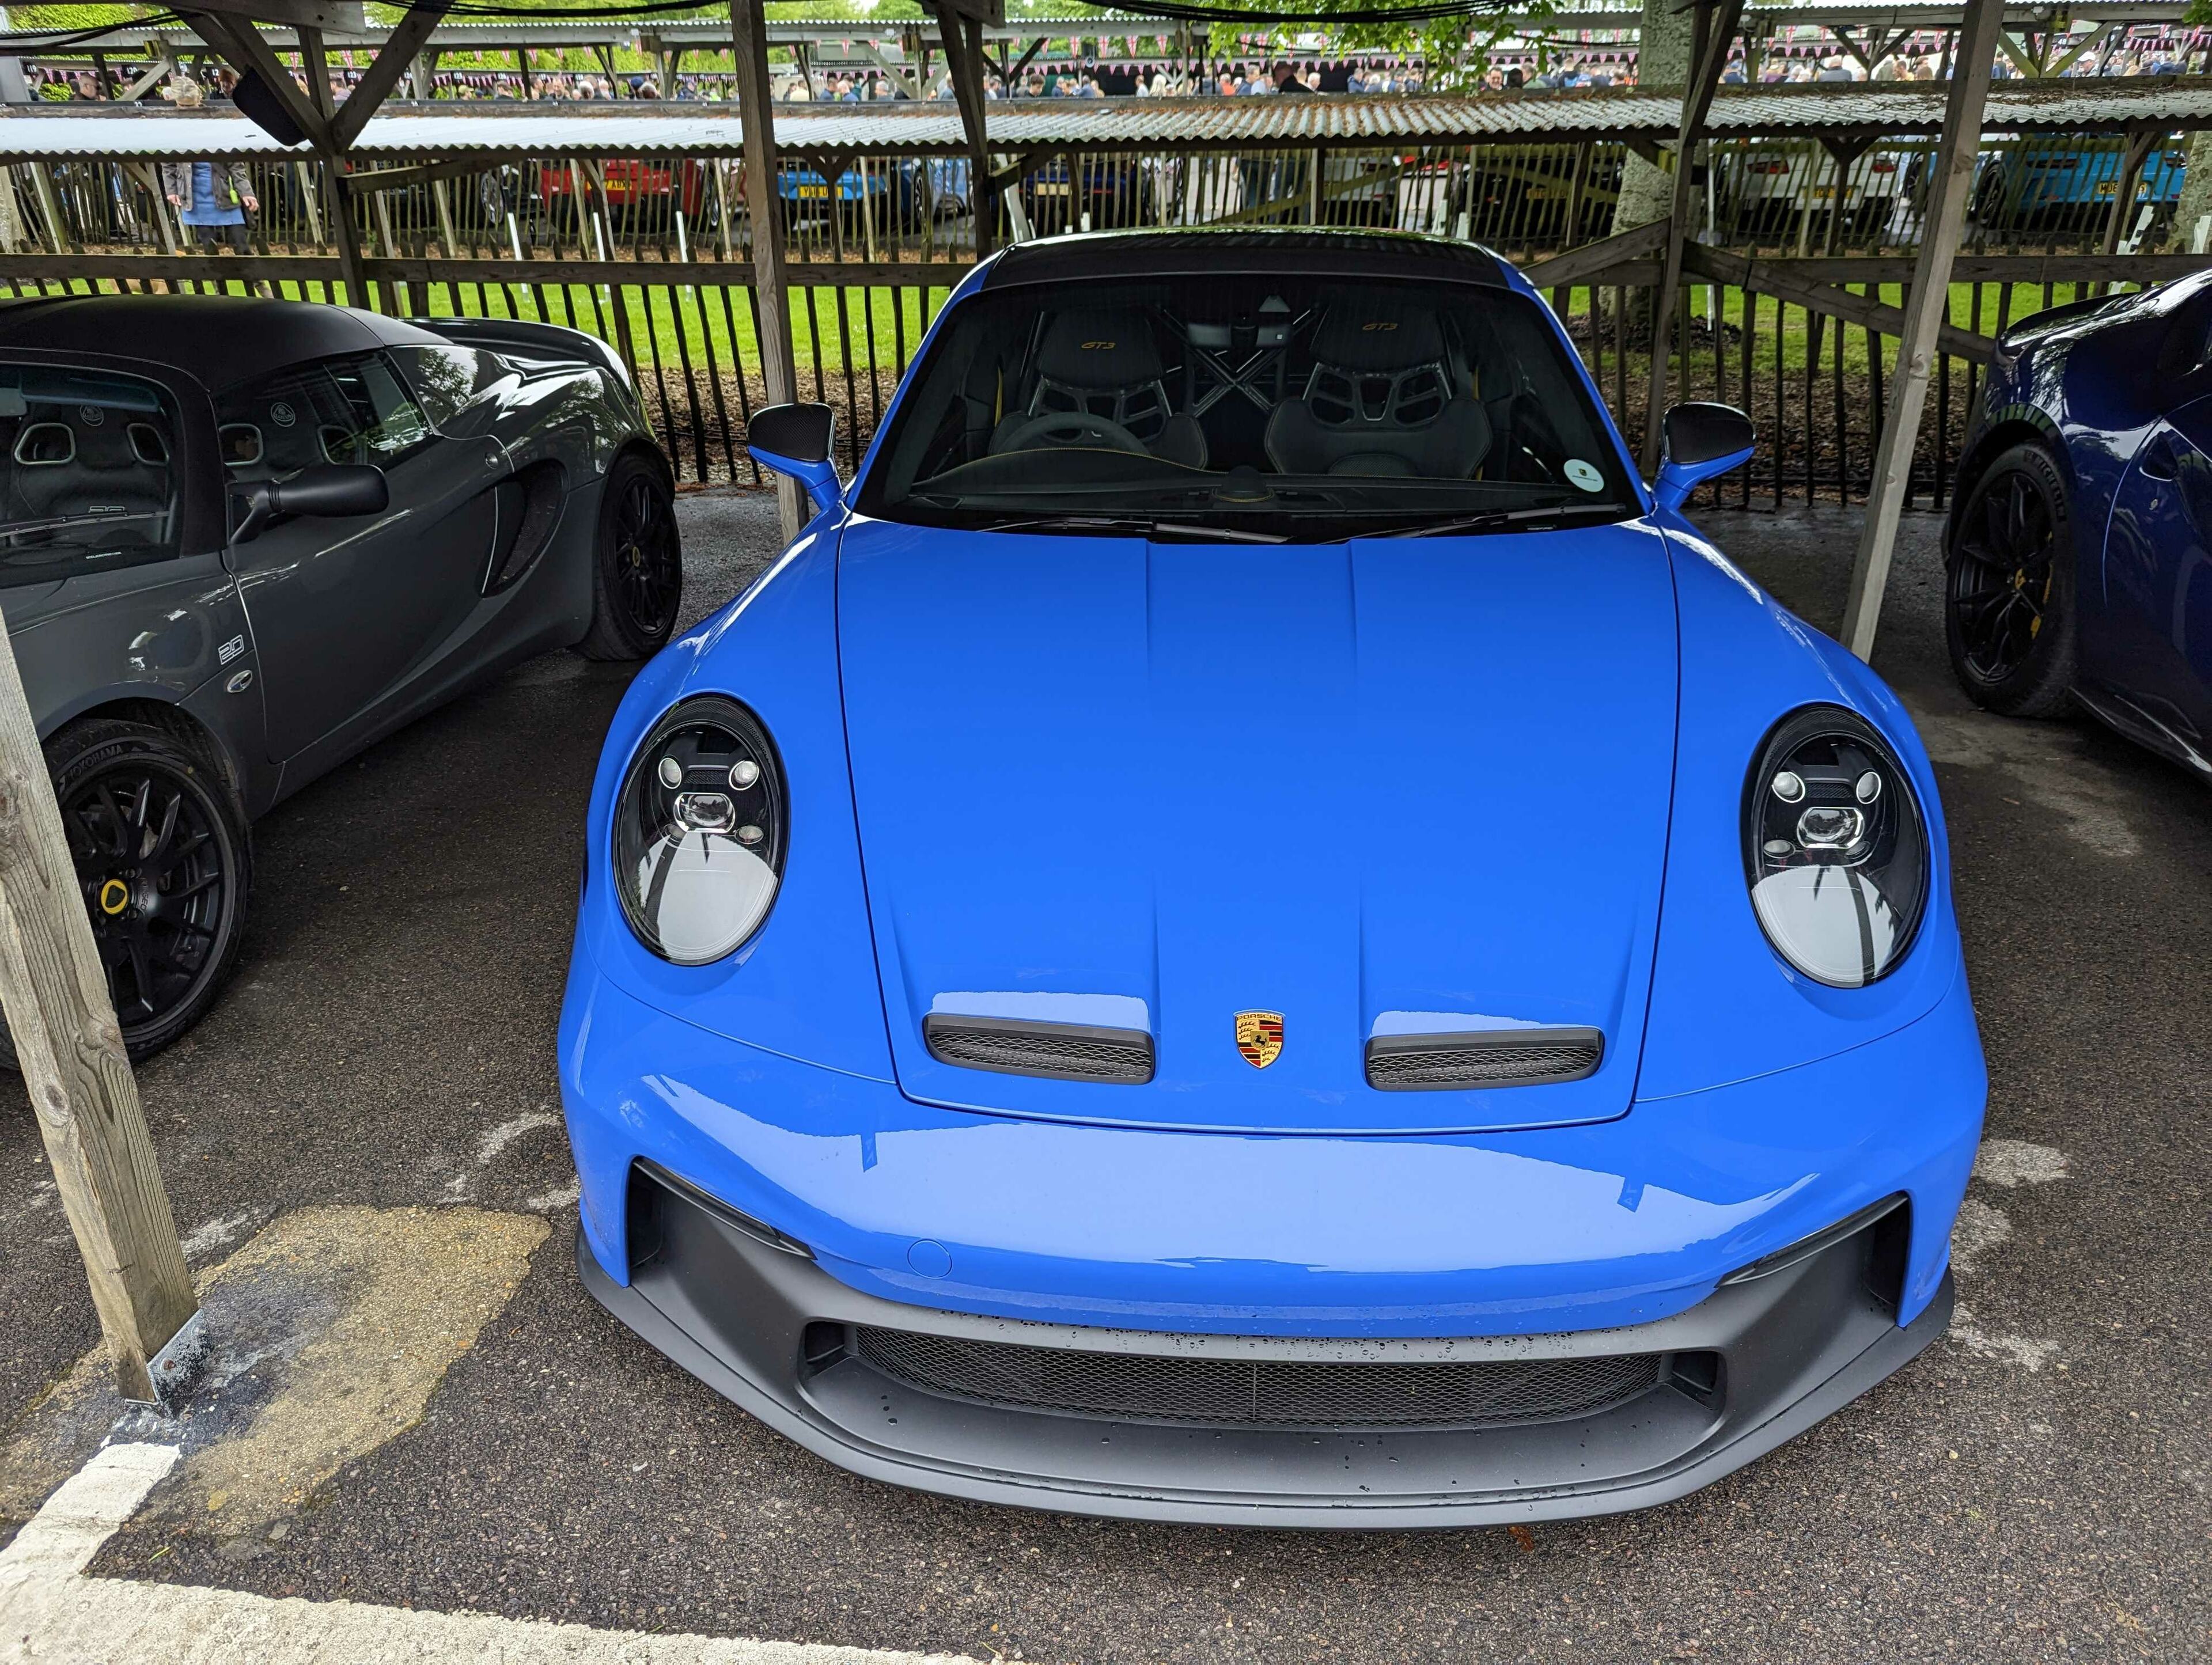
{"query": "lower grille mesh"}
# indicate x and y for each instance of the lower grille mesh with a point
(1260, 1392)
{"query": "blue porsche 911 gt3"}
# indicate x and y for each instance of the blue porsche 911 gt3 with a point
(1249, 928)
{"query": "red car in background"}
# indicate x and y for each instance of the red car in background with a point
(631, 182)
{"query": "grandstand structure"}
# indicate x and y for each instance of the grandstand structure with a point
(2038, 38)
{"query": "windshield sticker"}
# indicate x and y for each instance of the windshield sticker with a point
(1584, 475)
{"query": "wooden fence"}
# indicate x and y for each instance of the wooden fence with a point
(653, 256)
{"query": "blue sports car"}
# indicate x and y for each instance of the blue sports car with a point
(2080, 543)
(1249, 928)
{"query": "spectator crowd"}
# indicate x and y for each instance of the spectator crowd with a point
(1559, 67)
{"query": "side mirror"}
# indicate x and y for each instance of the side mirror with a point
(1701, 441)
(795, 440)
(331, 491)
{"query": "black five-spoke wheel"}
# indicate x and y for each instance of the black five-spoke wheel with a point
(2008, 612)
(638, 578)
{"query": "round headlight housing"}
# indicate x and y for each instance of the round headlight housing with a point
(1835, 847)
(699, 832)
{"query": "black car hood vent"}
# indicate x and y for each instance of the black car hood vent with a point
(1483, 1058)
(1020, 1045)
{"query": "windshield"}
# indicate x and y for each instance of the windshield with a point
(86, 479)
(1275, 407)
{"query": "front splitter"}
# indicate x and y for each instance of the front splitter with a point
(748, 1319)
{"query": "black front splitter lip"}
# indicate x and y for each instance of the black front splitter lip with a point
(1892, 1348)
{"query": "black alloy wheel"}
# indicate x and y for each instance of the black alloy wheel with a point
(637, 582)
(1989, 198)
(2008, 612)
(158, 843)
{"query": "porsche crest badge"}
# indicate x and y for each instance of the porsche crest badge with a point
(1260, 1037)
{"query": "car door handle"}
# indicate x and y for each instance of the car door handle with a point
(2158, 460)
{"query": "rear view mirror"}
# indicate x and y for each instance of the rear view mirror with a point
(332, 491)
(795, 440)
(1701, 441)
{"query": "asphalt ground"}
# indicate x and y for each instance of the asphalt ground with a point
(2038, 1486)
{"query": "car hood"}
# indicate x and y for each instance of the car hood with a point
(1400, 785)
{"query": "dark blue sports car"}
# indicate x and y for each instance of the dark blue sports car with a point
(1248, 927)
(2080, 544)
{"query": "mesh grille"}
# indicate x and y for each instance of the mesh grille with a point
(1025, 1048)
(1259, 1392)
(1449, 1060)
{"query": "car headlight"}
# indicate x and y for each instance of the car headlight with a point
(699, 831)
(1834, 847)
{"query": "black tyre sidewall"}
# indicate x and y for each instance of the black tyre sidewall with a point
(2040, 684)
(612, 635)
(76, 755)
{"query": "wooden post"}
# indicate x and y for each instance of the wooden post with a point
(337, 195)
(49, 207)
(71, 1049)
(2139, 143)
(1716, 27)
(1926, 309)
(756, 118)
(149, 175)
(963, 36)
(448, 238)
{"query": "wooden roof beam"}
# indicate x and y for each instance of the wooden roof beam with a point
(1716, 27)
(241, 44)
(392, 61)
(1927, 313)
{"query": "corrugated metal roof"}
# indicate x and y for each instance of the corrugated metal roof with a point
(416, 133)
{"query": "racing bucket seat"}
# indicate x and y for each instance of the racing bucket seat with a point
(1382, 399)
(1103, 365)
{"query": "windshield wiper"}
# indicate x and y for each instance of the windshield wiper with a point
(1499, 517)
(1143, 526)
(11, 529)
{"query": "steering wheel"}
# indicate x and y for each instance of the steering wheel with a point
(1070, 428)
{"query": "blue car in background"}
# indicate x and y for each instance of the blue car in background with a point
(1249, 928)
(2079, 542)
(2037, 180)
(906, 190)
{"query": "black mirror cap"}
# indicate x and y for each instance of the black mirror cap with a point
(800, 432)
(334, 490)
(1704, 432)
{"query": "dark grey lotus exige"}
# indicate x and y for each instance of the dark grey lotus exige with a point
(241, 539)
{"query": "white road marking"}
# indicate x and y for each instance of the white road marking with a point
(1978, 1230)
(216, 1234)
(1981, 1227)
(42, 1194)
(553, 1201)
(2014, 1162)
(2021, 1350)
(493, 1145)
(50, 1611)
(490, 1146)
